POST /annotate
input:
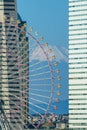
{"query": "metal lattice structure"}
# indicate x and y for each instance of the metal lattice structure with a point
(31, 102)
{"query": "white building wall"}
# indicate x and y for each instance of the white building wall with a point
(78, 64)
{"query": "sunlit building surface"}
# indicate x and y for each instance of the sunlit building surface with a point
(78, 64)
(24, 70)
(12, 55)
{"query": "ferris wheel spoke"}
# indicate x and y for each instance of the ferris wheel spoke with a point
(34, 111)
(33, 75)
(32, 65)
(41, 108)
(38, 95)
(39, 101)
(31, 46)
(40, 90)
(40, 84)
(39, 68)
(38, 79)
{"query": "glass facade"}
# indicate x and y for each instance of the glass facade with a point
(13, 77)
(78, 64)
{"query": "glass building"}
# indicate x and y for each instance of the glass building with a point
(13, 76)
(78, 64)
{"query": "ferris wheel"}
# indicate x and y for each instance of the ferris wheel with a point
(36, 75)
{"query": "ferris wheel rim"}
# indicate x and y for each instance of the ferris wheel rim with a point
(50, 66)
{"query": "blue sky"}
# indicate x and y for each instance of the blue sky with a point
(48, 17)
